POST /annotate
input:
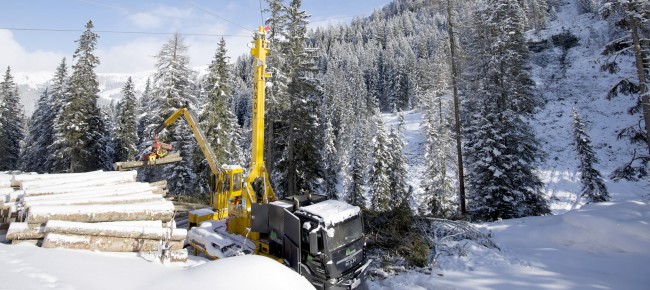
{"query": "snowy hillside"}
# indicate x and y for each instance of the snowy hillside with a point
(598, 246)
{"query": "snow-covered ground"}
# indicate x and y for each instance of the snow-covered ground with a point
(27, 267)
(598, 246)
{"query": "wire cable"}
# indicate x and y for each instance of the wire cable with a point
(216, 15)
(121, 32)
(261, 13)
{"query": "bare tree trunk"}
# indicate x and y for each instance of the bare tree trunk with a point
(643, 86)
(454, 74)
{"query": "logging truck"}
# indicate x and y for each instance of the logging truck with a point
(320, 239)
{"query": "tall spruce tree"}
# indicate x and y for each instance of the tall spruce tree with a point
(126, 137)
(356, 186)
(39, 137)
(328, 160)
(11, 123)
(501, 147)
(172, 88)
(56, 159)
(217, 120)
(277, 98)
(299, 165)
(593, 186)
(80, 128)
(440, 192)
(148, 120)
(397, 168)
(380, 194)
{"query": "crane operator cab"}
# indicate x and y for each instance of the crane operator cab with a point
(226, 197)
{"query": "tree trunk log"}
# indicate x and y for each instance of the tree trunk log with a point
(115, 230)
(104, 190)
(120, 199)
(75, 181)
(105, 244)
(24, 231)
(163, 211)
(17, 179)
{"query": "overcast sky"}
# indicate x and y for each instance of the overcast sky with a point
(40, 50)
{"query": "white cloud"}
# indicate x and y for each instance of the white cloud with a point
(162, 15)
(134, 56)
(145, 20)
(20, 60)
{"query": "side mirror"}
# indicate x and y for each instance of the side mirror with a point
(313, 243)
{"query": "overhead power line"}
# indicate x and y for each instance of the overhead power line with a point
(217, 15)
(121, 32)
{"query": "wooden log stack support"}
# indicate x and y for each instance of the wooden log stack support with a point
(100, 210)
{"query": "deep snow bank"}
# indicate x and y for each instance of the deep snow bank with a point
(600, 246)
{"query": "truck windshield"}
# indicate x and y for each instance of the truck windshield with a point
(345, 233)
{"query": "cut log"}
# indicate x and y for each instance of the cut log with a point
(17, 179)
(179, 255)
(119, 199)
(105, 244)
(24, 231)
(117, 189)
(114, 230)
(75, 181)
(129, 165)
(163, 211)
(38, 242)
(148, 224)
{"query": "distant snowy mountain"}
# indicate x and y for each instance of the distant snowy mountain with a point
(31, 85)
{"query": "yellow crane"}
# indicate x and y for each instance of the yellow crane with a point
(321, 239)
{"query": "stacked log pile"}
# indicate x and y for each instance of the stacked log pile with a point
(102, 211)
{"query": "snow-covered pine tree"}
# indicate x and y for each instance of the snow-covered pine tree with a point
(632, 18)
(126, 137)
(148, 120)
(328, 159)
(593, 186)
(104, 143)
(56, 159)
(501, 147)
(300, 156)
(144, 116)
(397, 168)
(277, 98)
(356, 186)
(171, 90)
(39, 137)
(538, 14)
(216, 119)
(12, 130)
(439, 190)
(80, 126)
(380, 194)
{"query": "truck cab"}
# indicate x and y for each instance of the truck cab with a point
(320, 239)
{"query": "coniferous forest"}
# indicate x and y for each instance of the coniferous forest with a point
(464, 64)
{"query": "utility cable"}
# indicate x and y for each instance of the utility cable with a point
(216, 15)
(121, 32)
(261, 12)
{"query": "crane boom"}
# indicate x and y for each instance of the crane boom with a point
(257, 167)
(192, 120)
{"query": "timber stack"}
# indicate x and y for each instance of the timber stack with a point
(100, 210)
